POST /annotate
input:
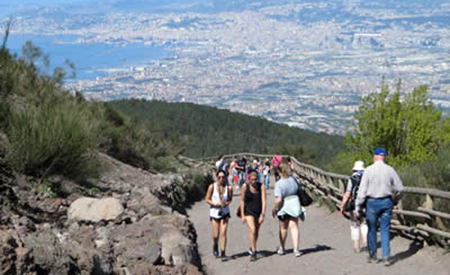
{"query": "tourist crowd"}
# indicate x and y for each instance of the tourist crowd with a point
(370, 196)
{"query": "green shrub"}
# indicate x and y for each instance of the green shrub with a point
(191, 189)
(51, 138)
(433, 174)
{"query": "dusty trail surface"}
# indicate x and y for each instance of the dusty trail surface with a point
(324, 240)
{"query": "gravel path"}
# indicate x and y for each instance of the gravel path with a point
(324, 240)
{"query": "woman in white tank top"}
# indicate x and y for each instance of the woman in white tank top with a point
(219, 196)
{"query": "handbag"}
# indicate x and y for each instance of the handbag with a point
(305, 198)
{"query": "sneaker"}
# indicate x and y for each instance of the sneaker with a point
(280, 251)
(253, 257)
(250, 252)
(298, 253)
(356, 250)
(386, 262)
(223, 257)
(372, 260)
(215, 251)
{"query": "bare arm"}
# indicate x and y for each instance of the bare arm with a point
(277, 206)
(347, 195)
(263, 202)
(242, 204)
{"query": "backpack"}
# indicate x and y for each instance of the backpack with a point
(224, 167)
(356, 180)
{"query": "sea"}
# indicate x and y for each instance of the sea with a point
(91, 60)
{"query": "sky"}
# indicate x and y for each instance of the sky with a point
(43, 2)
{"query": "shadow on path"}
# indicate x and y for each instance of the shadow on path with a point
(261, 254)
(317, 248)
(268, 253)
(413, 248)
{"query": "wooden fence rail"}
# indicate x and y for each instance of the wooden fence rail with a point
(423, 222)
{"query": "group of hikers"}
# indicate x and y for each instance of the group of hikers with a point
(370, 196)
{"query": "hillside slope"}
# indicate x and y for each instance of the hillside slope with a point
(209, 131)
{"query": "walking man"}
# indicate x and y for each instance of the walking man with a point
(381, 188)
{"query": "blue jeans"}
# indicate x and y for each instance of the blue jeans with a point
(241, 178)
(379, 209)
(266, 181)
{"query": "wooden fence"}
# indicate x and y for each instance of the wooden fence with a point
(423, 222)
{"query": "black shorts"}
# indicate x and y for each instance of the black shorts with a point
(227, 216)
(286, 217)
(248, 212)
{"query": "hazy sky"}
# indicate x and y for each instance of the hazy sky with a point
(44, 1)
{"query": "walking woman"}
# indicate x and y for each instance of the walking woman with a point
(359, 224)
(219, 196)
(253, 207)
(287, 208)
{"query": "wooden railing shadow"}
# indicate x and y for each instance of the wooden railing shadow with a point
(413, 248)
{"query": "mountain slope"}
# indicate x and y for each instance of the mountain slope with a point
(209, 131)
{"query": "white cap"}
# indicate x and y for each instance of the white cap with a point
(359, 166)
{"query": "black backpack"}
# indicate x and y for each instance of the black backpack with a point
(224, 167)
(356, 180)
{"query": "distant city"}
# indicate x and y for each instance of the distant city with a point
(303, 63)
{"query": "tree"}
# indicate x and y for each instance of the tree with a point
(411, 130)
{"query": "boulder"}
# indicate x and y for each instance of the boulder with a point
(49, 256)
(143, 202)
(95, 210)
(156, 240)
(177, 249)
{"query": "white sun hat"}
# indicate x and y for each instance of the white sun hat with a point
(359, 165)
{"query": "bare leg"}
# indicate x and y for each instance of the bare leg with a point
(257, 227)
(283, 233)
(215, 227)
(295, 235)
(223, 233)
(251, 231)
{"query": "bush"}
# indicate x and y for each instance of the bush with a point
(51, 138)
(430, 174)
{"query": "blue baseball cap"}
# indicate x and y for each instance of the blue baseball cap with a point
(380, 152)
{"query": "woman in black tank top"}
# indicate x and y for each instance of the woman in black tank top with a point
(253, 207)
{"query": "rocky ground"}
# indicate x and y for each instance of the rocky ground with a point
(126, 227)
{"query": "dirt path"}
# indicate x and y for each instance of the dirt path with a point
(324, 240)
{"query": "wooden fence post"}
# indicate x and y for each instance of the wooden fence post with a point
(401, 218)
(341, 186)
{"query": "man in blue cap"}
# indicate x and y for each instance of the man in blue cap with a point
(380, 188)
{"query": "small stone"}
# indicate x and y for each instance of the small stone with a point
(46, 226)
(100, 243)
(103, 233)
(74, 227)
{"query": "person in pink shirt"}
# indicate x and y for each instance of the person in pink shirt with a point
(276, 160)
